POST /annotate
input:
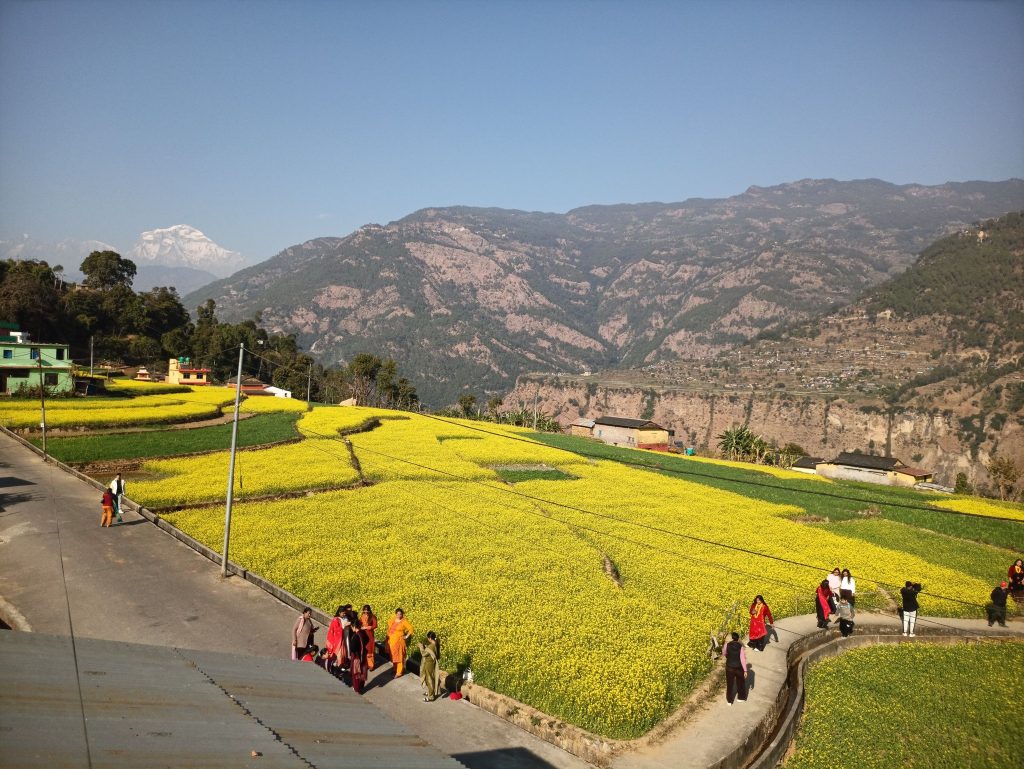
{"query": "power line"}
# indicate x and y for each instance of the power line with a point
(637, 524)
(677, 471)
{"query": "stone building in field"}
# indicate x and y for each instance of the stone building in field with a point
(890, 471)
(634, 433)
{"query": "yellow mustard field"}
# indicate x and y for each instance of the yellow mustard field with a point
(515, 578)
(983, 507)
(105, 412)
(263, 404)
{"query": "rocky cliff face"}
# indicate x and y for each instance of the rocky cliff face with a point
(469, 298)
(824, 427)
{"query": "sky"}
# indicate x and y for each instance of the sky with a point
(265, 124)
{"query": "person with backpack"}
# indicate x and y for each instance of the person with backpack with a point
(735, 670)
(117, 490)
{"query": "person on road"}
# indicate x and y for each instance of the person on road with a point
(368, 622)
(1015, 575)
(823, 603)
(399, 633)
(735, 670)
(302, 633)
(117, 489)
(429, 653)
(997, 608)
(848, 587)
(909, 595)
(846, 614)
(759, 615)
(108, 508)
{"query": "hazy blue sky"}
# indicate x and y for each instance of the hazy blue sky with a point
(266, 124)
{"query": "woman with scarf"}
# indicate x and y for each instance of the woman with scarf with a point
(368, 622)
(399, 633)
(823, 603)
(334, 634)
(429, 652)
(354, 642)
(759, 615)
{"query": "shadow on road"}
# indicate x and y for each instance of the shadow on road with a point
(502, 758)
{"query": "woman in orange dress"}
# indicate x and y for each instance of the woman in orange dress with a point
(108, 508)
(368, 623)
(399, 632)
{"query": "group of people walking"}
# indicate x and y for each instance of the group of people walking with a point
(350, 649)
(835, 597)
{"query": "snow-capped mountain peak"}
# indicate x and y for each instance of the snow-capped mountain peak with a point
(184, 246)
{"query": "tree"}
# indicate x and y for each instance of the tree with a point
(1004, 473)
(493, 404)
(105, 269)
(467, 403)
(962, 486)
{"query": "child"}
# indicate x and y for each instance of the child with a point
(108, 508)
(846, 614)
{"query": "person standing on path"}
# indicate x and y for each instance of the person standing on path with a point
(823, 603)
(302, 633)
(997, 609)
(108, 509)
(835, 579)
(399, 633)
(334, 633)
(735, 670)
(368, 622)
(353, 639)
(117, 489)
(846, 614)
(429, 653)
(759, 615)
(909, 595)
(848, 587)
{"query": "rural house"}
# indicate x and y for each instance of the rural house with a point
(23, 363)
(583, 428)
(865, 467)
(181, 372)
(807, 465)
(250, 385)
(635, 433)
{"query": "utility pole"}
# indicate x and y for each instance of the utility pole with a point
(231, 470)
(91, 337)
(42, 400)
(309, 382)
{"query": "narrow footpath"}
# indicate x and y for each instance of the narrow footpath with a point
(60, 572)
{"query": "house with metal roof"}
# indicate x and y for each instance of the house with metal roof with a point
(807, 465)
(634, 433)
(890, 471)
(583, 428)
(25, 364)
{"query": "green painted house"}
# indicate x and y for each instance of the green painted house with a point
(22, 362)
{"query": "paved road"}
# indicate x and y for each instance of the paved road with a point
(134, 583)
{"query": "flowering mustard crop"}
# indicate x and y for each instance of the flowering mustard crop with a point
(982, 507)
(515, 579)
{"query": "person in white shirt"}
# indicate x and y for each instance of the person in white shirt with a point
(117, 489)
(848, 587)
(834, 579)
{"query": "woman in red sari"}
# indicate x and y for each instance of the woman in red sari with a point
(334, 634)
(1015, 576)
(823, 603)
(759, 615)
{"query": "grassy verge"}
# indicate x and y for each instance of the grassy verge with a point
(839, 501)
(519, 476)
(913, 705)
(256, 431)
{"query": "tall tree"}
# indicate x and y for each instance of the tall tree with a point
(105, 269)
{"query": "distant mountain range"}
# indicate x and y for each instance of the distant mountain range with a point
(179, 256)
(469, 298)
